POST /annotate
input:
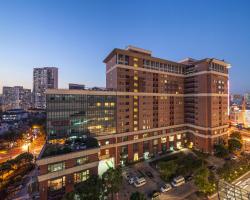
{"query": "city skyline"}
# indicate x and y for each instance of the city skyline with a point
(74, 38)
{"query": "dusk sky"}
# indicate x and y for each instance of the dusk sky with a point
(75, 36)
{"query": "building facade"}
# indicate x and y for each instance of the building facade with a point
(150, 105)
(43, 78)
(16, 97)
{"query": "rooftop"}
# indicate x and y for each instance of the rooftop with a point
(70, 145)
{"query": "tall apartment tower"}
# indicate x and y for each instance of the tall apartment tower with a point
(16, 97)
(43, 78)
(190, 95)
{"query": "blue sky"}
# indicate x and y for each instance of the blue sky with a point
(75, 36)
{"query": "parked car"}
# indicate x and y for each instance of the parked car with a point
(149, 174)
(131, 180)
(140, 182)
(178, 181)
(154, 195)
(166, 187)
(189, 178)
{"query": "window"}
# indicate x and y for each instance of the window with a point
(56, 184)
(171, 138)
(81, 161)
(136, 137)
(81, 176)
(163, 140)
(107, 151)
(56, 167)
(178, 136)
(155, 142)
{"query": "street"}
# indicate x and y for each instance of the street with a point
(34, 147)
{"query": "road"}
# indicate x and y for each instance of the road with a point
(34, 148)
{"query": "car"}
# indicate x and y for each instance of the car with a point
(178, 181)
(149, 174)
(233, 157)
(166, 187)
(140, 182)
(189, 178)
(131, 180)
(155, 195)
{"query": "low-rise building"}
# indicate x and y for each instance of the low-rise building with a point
(61, 166)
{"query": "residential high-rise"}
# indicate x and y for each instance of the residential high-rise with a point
(16, 97)
(43, 78)
(150, 105)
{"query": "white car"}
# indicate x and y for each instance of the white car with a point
(178, 181)
(140, 182)
(166, 187)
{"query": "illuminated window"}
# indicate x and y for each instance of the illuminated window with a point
(163, 140)
(98, 104)
(81, 161)
(135, 116)
(56, 167)
(135, 103)
(171, 138)
(135, 97)
(145, 135)
(112, 104)
(135, 84)
(106, 142)
(155, 142)
(81, 176)
(135, 65)
(178, 136)
(135, 110)
(135, 122)
(136, 137)
(56, 184)
(135, 128)
(106, 118)
(136, 78)
(135, 90)
(106, 104)
(135, 59)
(107, 151)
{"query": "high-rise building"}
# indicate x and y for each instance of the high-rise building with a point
(43, 78)
(16, 97)
(247, 101)
(150, 105)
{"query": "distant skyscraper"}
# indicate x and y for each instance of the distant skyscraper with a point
(73, 86)
(16, 97)
(43, 78)
(247, 101)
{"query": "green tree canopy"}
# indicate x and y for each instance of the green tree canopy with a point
(168, 169)
(137, 196)
(112, 180)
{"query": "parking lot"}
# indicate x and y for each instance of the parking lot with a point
(154, 183)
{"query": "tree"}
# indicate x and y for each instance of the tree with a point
(91, 189)
(234, 145)
(236, 135)
(112, 180)
(221, 150)
(137, 196)
(202, 181)
(168, 169)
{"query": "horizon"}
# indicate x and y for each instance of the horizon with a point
(76, 38)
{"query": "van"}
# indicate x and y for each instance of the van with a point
(177, 181)
(140, 182)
